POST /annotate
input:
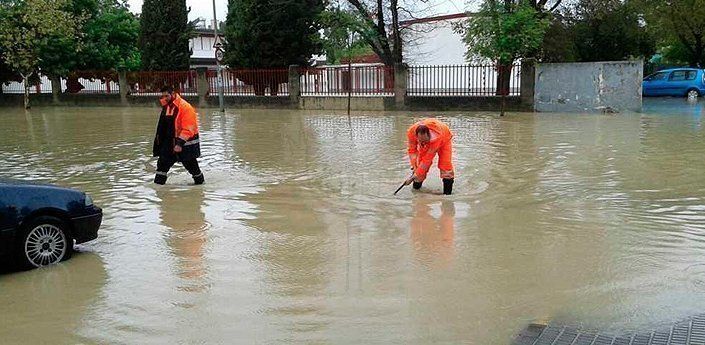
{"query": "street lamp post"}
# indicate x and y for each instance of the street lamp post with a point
(218, 57)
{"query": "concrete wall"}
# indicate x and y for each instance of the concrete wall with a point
(488, 103)
(341, 103)
(588, 87)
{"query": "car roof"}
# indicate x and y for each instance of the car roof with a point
(678, 69)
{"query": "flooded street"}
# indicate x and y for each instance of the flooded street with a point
(596, 220)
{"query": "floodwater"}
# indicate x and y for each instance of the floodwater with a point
(595, 220)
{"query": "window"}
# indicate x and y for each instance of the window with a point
(683, 75)
(677, 76)
(690, 75)
(658, 76)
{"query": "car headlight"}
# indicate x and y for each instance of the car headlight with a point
(89, 201)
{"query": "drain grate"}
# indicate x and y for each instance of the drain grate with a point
(690, 332)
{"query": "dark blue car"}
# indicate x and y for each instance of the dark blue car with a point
(40, 223)
(677, 82)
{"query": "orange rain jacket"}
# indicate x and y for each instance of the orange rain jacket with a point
(421, 156)
(184, 133)
(186, 122)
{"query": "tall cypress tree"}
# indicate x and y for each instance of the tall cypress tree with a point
(272, 33)
(164, 35)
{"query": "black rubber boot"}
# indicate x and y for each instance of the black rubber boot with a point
(448, 186)
(199, 179)
(160, 179)
(417, 185)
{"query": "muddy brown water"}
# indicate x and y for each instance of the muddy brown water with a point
(296, 237)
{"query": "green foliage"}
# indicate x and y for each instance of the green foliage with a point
(29, 26)
(164, 35)
(272, 33)
(6, 73)
(609, 30)
(339, 35)
(504, 32)
(599, 30)
(559, 42)
(111, 40)
(107, 40)
(680, 29)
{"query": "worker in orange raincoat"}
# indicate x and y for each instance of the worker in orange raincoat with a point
(428, 138)
(177, 137)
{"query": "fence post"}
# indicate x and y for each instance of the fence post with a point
(294, 85)
(203, 86)
(528, 83)
(55, 89)
(401, 73)
(123, 86)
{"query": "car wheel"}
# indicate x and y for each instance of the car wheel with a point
(693, 94)
(45, 241)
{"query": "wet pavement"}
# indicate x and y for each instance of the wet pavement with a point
(296, 237)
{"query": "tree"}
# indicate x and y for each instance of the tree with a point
(164, 35)
(26, 28)
(503, 33)
(271, 34)
(107, 41)
(6, 73)
(61, 53)
(376, 17)
(111, 37)
(559, 42)
(542, 7)
(681, 28)
(339, 38)
(610, 30)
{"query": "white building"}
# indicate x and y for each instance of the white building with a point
(202, 51)
(433, 40)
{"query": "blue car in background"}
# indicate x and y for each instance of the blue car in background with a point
(677, 82)
(40, 223)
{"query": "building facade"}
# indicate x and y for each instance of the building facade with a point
(202, 50)
(434, 41)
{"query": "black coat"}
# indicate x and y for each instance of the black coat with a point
(165, 140)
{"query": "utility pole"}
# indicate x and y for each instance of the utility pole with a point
(349, 74)
(218, 58)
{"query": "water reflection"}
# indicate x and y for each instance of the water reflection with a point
(592, 219)
(39, 306)
(187, 234)
(433, 237)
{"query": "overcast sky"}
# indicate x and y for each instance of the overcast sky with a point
(204, 8)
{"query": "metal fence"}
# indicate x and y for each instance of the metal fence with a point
(92, 82)
(76, 83)
(251, 82)
(43, 86)
(340, 80)
(374, 80)
(150, 83)
(462, 80)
